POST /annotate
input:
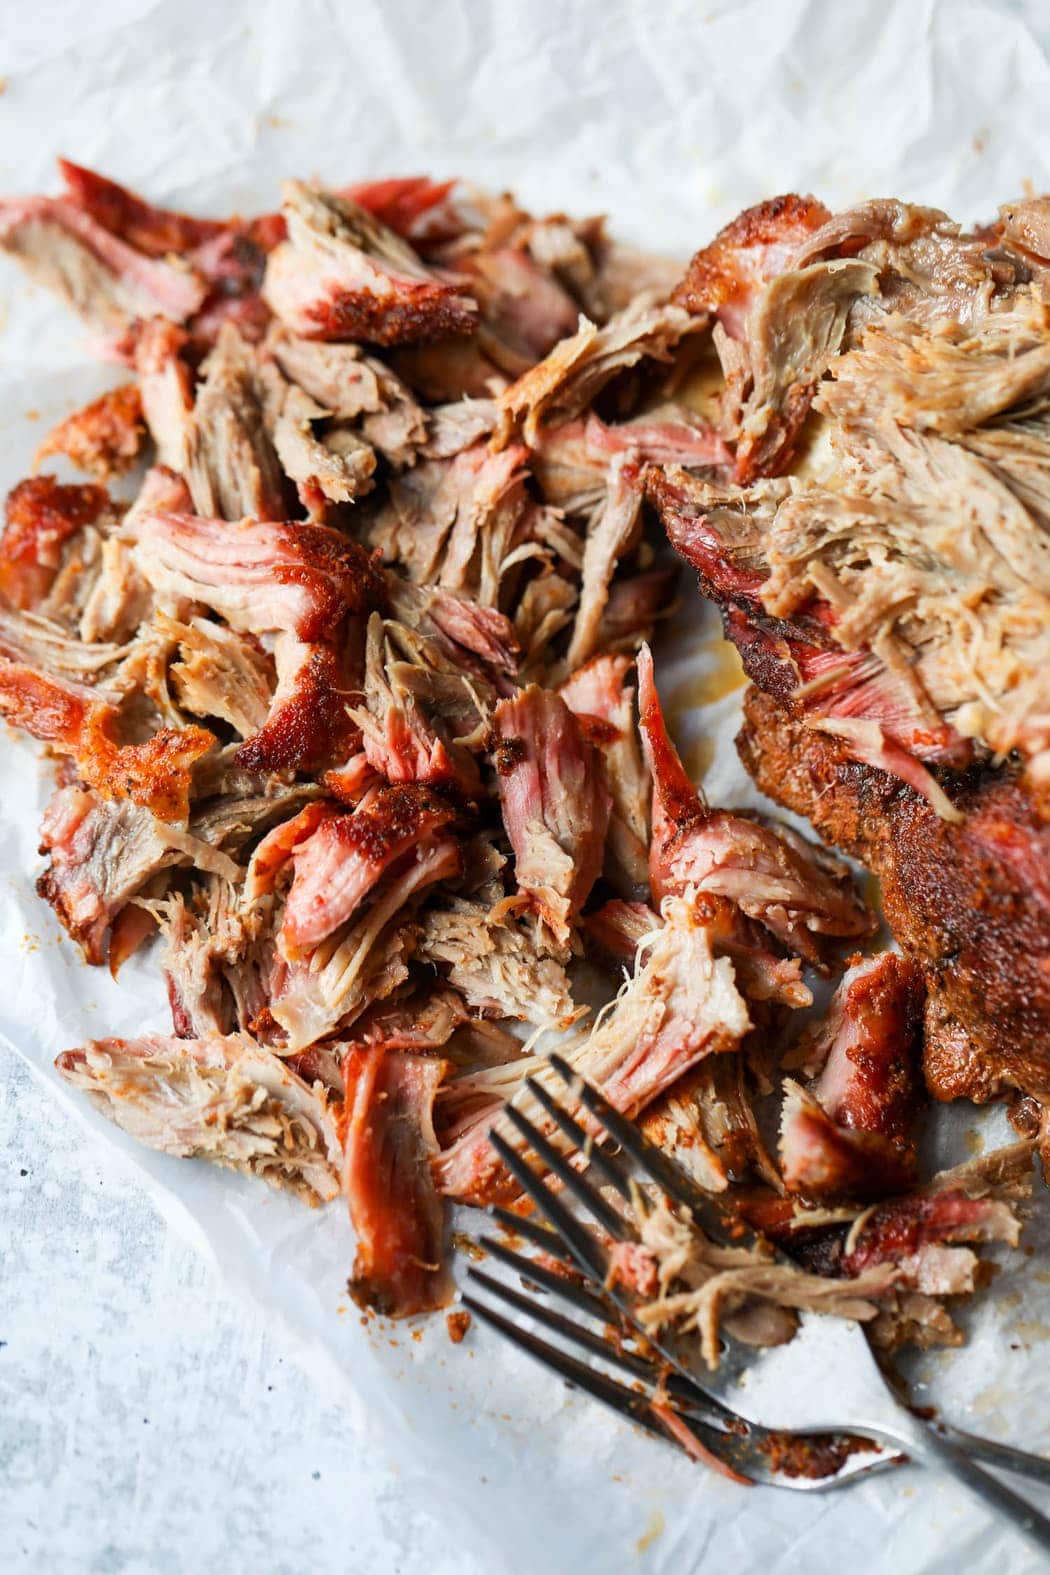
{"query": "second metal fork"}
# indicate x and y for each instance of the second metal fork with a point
(813, 1413)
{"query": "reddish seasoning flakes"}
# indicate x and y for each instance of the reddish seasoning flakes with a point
(458, 1323)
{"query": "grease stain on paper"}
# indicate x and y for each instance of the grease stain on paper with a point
(989, 1400)
(653, 1530)
(723, 674)
(1032, 1329)
(698, 757)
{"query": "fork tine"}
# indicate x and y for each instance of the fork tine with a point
(586, 1142)
(555, 1284)
(628, 1402)
(663, 1171)
(557, 1323)
(609, 1351)
(588, 1252)
(585, 1249)
(532, 1230)
(637, 1408)
(569, 1177)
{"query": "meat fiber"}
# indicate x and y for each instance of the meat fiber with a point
(101, 854)
(498, 963)
(523, 310)
(456, 522)
(571, 460)
(862, 1055)
(41, 643)
(954, 339)
(926, 1238)
(342, 274)
(577, 369)
(599, 695)
(118, 601)
(388, 1143)
(723, 278)
(874, 702)
(917, 1235)
(618, 926)
(257, 575)
(706, 1122)
(778, 324)
(403, 740)
(338, 865)
(680, 1006)
(328, 989)
(355, 388)
(111, 285)
(772, 874)
(482, 631)
(166, 392)
(611, 533)
(702, 1285)
(224, 1099)
(227, 455)
(555, 804)
(220, 673)
(191, 950)
(228, 254)
(328, 464)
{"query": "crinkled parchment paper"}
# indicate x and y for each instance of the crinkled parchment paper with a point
(669, 117)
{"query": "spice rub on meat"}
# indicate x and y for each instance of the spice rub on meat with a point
(967, 899)
(879, 552)
(354, 712)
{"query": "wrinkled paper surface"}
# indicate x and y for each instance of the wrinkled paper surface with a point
(669, 117)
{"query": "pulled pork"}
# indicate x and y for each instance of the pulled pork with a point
(888, 1266)
(343, 701)
(224, 1099)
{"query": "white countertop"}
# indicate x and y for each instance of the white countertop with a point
(182, 1435)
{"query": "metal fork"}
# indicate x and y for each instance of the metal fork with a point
(747, 1416)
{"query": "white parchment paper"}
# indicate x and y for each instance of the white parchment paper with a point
(669, 117)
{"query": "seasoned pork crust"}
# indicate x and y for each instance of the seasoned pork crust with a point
(342, 274)
(849, 1132)
(105, 438)
(397, 1214)
(969, 899)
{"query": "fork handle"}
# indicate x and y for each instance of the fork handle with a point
(925, 1441)
(1005, 1456)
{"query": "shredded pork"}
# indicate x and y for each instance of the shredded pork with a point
(343, 701)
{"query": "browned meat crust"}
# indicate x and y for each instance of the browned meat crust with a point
(964, 898)
(747, 251)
